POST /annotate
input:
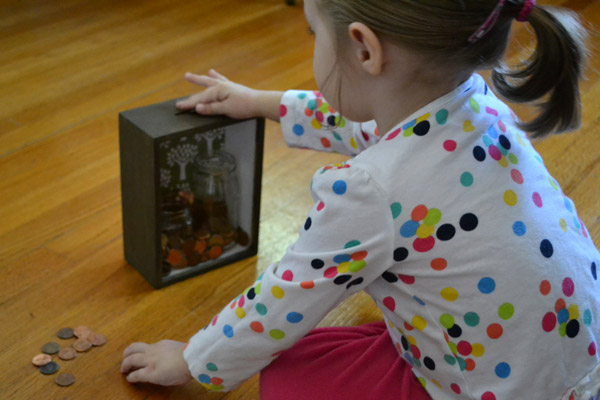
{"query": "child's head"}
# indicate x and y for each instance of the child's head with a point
(442, 32)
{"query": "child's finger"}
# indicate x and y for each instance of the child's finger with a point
(189, 102)
(137, 347)
(201, 80)
(214, 74)
(208, 96)
(134, 361)
(140, 375)
(210, 108)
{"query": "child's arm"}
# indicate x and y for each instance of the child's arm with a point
(345, 244)
(306, 118)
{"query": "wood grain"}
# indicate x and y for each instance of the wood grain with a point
(66, 70)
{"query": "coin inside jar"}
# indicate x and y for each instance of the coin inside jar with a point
(97, 339)
(65, 333)
(82, 332)
(65, 380)
(82, 345)
(68, 353)
(51, 348)
(41, 359)
(49, 368)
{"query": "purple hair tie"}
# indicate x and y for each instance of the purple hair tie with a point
(488, 24)
(526, 10)
(493, 18)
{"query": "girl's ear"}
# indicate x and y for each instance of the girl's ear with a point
(367, 47)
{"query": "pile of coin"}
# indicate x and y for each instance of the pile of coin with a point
(85, 340)
(191, 239)
(180, 252)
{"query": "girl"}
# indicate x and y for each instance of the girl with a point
(445, 215)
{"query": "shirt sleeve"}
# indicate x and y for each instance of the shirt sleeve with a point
(345, 244)
(308, 121)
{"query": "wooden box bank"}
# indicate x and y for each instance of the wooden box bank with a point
(190, 190)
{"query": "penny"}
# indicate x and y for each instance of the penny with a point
(65, 333)
(215, 252)
(65, 380)
(82, 345)
(242, 237)
(216, 240)
(82, 332)
(49, 368)
(229, 234)
(177, 259)
(97, 339)
(41, 359)
(51, 348)
(68, 353)
(202, 234)
(194, 258)
(188, 246)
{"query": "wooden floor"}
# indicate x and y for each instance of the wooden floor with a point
(67, 68)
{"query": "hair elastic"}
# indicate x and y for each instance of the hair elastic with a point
(526, 10)
(488, 24)
(493, 18)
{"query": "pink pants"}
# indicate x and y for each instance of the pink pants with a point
(345, 363)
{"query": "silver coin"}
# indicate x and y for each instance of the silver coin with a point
(65, 333)
(49, 368)
(51, 348)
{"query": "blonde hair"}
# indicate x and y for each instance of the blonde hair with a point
(440, 29)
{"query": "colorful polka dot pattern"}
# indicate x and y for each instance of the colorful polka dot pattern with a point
(322, 114)
(345, 266)
(323, 127)
(322, 118)
(466, 200)
(426, 226)
(564, 318)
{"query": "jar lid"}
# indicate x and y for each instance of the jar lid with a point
(219, 161)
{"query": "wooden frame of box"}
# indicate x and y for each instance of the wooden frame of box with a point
(162, 154)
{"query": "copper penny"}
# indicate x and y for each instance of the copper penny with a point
(82, 332)
(49, 368)
(68, 353)
(188, 246)
(215, 252)
(216, 240)
(82, 345)
(65, 380)
(65, 333)
(97, 339)
(202, 234)
(41, 359)
(229, 234)
(51, 348)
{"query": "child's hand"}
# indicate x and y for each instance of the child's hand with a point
(223, 96)
(161, 363)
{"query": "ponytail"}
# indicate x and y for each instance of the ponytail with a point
(551, 74)
(451, 32)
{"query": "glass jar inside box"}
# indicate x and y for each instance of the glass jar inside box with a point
(216, 194)
(176, 229)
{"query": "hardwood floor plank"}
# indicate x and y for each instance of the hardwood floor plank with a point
(67, 69)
